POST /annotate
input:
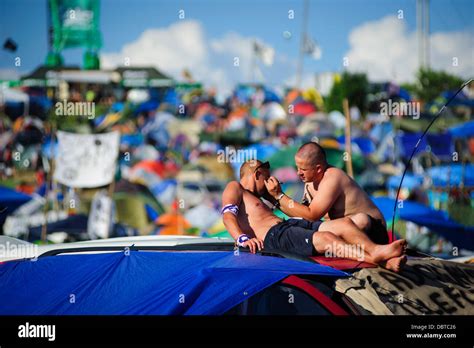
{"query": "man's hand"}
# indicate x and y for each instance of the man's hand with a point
(273, 186)
(253, 244)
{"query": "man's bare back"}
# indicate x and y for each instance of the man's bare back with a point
(351, 199)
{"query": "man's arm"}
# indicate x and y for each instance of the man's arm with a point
(232, 195)
(231, 199)
(321, 203)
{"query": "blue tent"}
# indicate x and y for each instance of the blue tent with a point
(132, 140)
(460, 99)
(380, 131)
(73, 225)
(410, 181)
(407, 141)
(143, 283)
(366, 145)
(262, 152)
(117, 107)
(437, 221)
(147, 106)
(440, 144)
(171, 97)
(9, 201)
(455, 172)
(463, 130)
(270, 96)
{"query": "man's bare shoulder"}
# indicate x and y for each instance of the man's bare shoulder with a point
(334, 173)
(234, 185)
(233, 193)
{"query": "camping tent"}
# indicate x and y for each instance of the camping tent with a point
(463, 130)
(9, 201)
(452, 175)
(437, 221)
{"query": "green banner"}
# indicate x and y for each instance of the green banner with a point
(75, 23)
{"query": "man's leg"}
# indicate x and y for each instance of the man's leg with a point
(375, 229)
(362, 221)
(324, 242)
(328, 243)
(344, 228)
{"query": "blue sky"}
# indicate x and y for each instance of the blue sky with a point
(330, 23)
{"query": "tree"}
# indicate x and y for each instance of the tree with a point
(354, 87)
(430, 84)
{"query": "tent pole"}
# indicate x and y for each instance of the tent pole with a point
(111, 196)
(350, 171)
(49, 180)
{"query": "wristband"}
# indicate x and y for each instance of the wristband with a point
(280, 196)
(242, 239)
(230, 208)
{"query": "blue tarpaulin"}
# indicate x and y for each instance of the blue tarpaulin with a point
(142, 283)
(437, 221)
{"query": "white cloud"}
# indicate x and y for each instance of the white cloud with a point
(184, 45)
(387, 50)
(181, 45)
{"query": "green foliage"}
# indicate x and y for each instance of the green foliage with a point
(334, 100)
(353, 86)
(430, 84)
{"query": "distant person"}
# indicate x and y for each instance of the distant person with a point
(330, 192)
(253, 225)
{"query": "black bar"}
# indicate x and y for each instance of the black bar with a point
(376, 330)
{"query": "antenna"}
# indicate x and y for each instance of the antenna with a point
(416, 148)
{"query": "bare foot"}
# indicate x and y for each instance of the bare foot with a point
(388, 251)
(394, 264)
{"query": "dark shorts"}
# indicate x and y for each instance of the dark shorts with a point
(377, 232)
(293, 236)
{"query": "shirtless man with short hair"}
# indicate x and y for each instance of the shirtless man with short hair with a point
(253, 225)
(330, 191)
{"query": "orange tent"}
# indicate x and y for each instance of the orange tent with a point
(173, 223)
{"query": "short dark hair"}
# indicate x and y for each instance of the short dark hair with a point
(313, 152)
(247, 166)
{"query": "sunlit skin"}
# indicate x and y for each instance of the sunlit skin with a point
(255, 219)
(334, 194)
